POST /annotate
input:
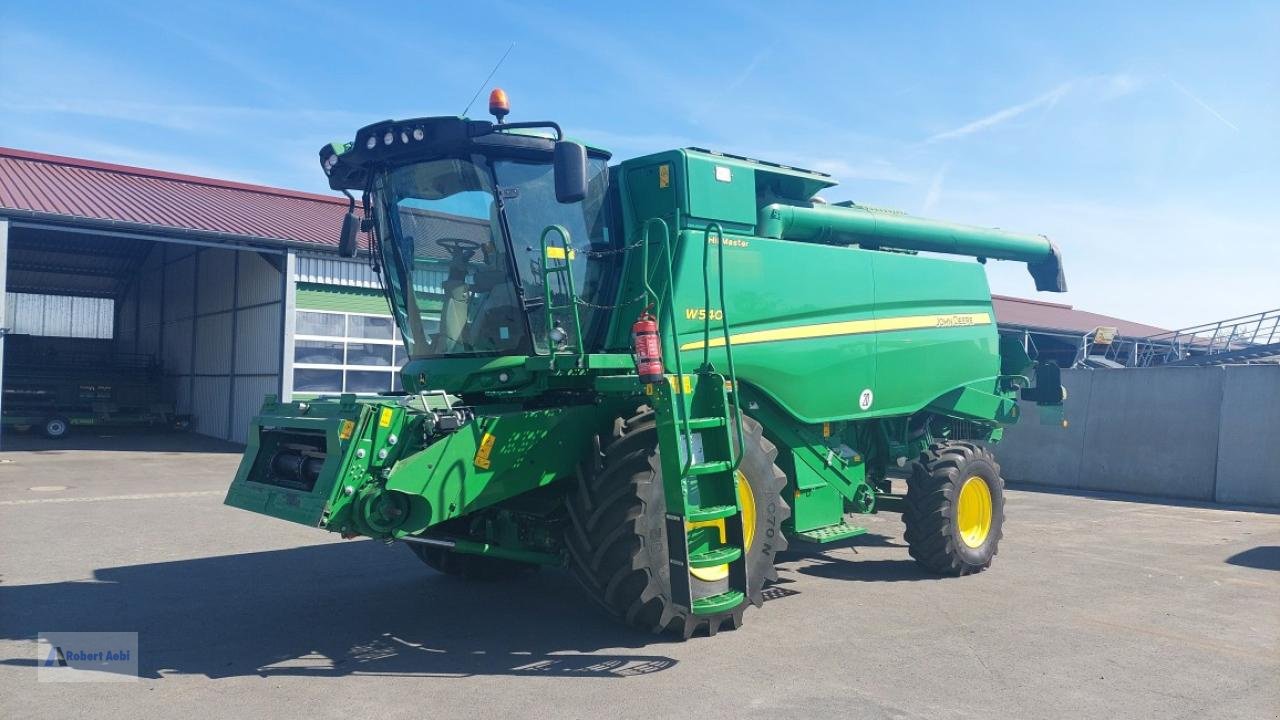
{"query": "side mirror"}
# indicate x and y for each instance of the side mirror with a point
(571, 171)
(350, 229)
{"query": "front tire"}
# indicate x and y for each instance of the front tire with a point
(955, 508)
(618, 541)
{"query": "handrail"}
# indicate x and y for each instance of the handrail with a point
(1230, 322)
(724, 325)
(1230, 335)
(571, 291)
(687, 433)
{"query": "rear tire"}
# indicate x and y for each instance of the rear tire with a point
(469, 567)
(954, 508)
(617, 537)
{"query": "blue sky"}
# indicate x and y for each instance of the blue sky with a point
(1143, 138)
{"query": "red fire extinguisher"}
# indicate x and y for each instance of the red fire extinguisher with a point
(648, 348)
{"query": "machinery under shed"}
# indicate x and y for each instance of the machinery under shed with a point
(133, 296)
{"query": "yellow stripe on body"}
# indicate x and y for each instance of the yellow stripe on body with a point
(848, 327)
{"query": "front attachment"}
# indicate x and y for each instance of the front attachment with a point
(309, 461)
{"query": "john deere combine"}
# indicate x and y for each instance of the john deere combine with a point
(658, 373)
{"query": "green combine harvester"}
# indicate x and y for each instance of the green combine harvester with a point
(658, 373)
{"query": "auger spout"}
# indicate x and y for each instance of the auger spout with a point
(873, 228)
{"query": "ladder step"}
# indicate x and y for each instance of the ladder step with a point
(709, 468)
(718, 603)
(707, 422)
(712, 558)
(711, 512)
(831, 534)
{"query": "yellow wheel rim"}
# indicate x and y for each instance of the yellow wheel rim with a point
(973, 512)
(747, 502)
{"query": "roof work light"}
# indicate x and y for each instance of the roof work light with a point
(498, 105)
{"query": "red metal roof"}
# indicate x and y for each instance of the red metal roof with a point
(1041, 315)
(76, 188)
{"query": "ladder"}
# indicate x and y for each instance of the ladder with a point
(698, 422)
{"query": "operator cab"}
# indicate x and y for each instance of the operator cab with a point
(457, 208)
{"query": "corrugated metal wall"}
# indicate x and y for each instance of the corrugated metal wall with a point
(59, 315)
(214, 318)
(328, 270)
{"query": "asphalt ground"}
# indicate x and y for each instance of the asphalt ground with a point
(1097, 607)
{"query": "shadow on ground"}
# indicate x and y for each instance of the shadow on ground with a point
(116, 439)
(824, 565)
(796, 549)
(1263, 557)
(328, 610)
(868, 570)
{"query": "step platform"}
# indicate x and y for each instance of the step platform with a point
(826, 535)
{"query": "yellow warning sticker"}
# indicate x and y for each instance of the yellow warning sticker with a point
(346, 429)
(482, 455)
(384, 420)
(826, 429)
(664, 175)
(688, 383)
(558, 253)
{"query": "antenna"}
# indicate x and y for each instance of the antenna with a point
(488, 77)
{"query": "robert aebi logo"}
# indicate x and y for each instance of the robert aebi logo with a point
(63, 658)
(87, 657)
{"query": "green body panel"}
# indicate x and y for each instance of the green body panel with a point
(526, 450)
(788, 300)
(825, 474)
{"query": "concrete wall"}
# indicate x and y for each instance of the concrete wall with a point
(214, 318)
(1249, 437)
(1210, 434)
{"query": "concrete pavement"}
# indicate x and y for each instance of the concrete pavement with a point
(1095, 608)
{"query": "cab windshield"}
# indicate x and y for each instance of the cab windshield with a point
(456, 284)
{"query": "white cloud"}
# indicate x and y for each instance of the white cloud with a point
(1048, 100)
(935, 191)
(1207, 108)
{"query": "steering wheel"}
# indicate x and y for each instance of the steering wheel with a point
(461, 249)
